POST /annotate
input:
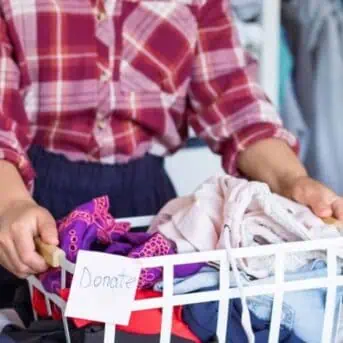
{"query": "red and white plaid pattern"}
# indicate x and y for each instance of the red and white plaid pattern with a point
(111, 81)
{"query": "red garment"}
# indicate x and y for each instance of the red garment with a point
(149, 321)
(39, 305)
(141, 322)
(110, 83)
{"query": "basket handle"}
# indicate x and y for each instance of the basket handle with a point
(333, 221)
(51, 254)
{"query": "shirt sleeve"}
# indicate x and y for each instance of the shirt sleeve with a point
(14, 125)
(228, 108)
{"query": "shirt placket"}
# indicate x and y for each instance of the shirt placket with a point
(105, 44)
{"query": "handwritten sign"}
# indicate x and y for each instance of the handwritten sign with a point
(103, 288)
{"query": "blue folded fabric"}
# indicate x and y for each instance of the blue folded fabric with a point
(202, 320)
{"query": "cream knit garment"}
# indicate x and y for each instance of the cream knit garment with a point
(254, 215)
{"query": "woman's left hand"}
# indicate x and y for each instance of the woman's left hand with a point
(322, 200)
(273, 162)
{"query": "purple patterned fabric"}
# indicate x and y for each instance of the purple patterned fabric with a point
(91, 227)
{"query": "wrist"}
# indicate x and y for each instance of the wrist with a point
(12, 188)
(288, 181)
(6, 204)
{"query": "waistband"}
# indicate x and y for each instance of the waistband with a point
(56, 170)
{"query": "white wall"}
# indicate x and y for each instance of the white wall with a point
(188, 168)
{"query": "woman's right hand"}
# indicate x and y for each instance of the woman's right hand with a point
(20, 223)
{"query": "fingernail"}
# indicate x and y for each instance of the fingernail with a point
(53, 240)
(325, 212)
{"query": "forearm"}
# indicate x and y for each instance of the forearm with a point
(271, 161)
(12, 187)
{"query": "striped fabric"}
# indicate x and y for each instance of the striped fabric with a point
(110, 81)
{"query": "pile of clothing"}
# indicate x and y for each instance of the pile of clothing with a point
(91, 227)
(254, 215)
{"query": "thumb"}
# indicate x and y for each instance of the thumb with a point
(322, 209)
(47, 228)
(316, 196)
(319, 201)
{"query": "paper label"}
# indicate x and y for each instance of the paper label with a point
(103, 288)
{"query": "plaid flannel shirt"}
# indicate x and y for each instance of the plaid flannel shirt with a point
(110, 81)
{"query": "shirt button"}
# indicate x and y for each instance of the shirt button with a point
(101, 16)
(105, 76)
(101, 124)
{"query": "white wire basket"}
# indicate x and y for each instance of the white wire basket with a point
(225, 293)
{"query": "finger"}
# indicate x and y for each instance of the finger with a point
(305, 191)
(337, 207)
(319, 201)
(47, 228)
(321, 208)
(26, 251)
(317, 197)
(13, 261)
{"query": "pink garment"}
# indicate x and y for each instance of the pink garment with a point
(254, 215)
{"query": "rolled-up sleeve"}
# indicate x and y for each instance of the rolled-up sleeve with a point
(14, 125)
(228, 108)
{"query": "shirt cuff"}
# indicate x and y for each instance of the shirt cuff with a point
(242, 139)
(22, 163)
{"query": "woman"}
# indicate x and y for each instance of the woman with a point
(92, 92)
